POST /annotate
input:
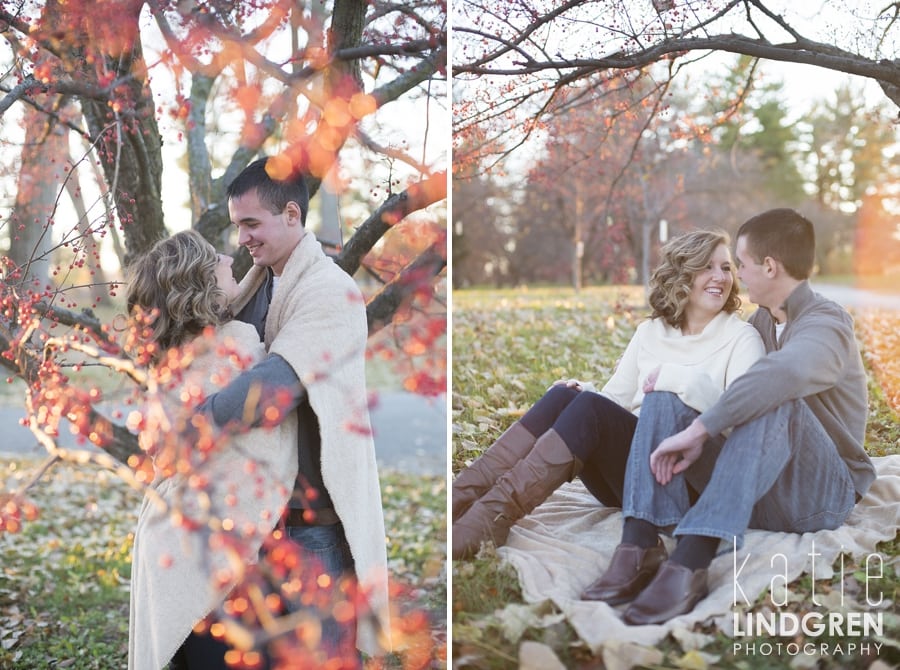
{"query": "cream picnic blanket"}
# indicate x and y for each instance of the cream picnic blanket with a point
(565, 544)
(317, 323)
(180, 574)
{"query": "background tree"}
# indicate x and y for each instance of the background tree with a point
(478, 243)
(695, 148)
(312, 86)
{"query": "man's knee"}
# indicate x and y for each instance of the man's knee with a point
(657, 401)
(784, 423)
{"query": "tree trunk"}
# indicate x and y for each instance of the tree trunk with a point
(90, 247)
(347, 23)
(130, 144)
(40, 181)
(578, 246)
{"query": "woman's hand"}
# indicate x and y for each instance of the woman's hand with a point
(650, 381)
(568, 383)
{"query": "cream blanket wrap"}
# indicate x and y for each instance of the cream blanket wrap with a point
(166, 601)
(317, 323)
(567, 542)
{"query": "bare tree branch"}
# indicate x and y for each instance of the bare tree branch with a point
(808, 52)
(397, 207)
(422, 270)
(415, 76)
(18, 92)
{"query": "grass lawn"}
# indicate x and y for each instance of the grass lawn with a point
(508, 346)
(64, 579)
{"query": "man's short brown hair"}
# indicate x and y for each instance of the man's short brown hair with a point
(784, 235)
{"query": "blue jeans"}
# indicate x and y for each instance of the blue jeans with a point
(326, 548)
(780, 471)
(325, 551)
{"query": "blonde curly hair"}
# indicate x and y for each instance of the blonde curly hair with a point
(175, 282)
(683, 257)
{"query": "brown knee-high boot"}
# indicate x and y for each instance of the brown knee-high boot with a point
(511, 447)
(548, 465)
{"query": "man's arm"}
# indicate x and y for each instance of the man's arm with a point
(810, 362)
(259, 384)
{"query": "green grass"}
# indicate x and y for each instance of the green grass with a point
(64, 595)
(64, 589)
(508, 346)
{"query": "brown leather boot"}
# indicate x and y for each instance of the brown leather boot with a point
(548, 465)
(674, 591)
(630, 570)
(510, 448)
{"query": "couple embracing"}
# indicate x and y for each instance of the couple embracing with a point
(273, 464)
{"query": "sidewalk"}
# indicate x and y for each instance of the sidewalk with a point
(410, 433)
(857, 298)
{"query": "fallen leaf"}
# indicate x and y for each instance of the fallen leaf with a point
(537, 656)
(618, 655)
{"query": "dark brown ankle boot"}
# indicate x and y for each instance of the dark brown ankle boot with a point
(510, 448)
(548, 465)
(630, 570)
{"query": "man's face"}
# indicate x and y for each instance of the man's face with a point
(751, 273)
(270, 238)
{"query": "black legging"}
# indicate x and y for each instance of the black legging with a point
(204, 652)
(200, 652)
(596, 430)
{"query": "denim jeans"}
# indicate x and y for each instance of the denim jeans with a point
(780, 471)
(325, 551)
(326, 548)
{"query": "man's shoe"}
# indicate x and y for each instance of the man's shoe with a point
(629, 571)
(675, 590)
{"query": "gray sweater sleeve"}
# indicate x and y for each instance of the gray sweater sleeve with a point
(271, 375)
(810, 361)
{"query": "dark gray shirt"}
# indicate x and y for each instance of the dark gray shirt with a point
(271, 374)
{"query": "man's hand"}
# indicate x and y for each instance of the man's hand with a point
(678, 452)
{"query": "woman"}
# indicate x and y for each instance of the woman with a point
(213, 501)
(694, 345)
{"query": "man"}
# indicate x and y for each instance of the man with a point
(782, 449)
(312, 319)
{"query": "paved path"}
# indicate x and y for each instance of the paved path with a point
(410, 432)
(852, 297)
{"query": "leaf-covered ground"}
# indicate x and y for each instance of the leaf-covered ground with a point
(64, 579)
(508, 346)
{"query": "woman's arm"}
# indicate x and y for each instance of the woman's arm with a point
(623, 385)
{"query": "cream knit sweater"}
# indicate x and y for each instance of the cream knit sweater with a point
(317, 323)
(698, 368)
(180, 574)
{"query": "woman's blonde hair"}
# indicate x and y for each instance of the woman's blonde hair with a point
(175, 282)
(683, 257)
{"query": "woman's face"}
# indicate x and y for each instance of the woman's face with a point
(225, 278)
(712, 285)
